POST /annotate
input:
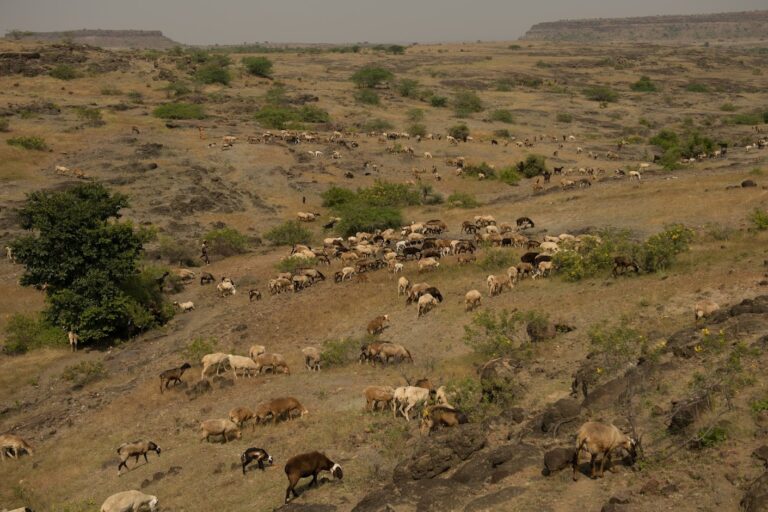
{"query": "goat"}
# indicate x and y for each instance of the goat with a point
(305, 465)
(255, 454)
(406, 398)
(135, 449)
(704, 308)
(172, 375)
(73, 340)
(14, 445)
(598, 438)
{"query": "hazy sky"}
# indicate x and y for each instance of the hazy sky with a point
(334, 21)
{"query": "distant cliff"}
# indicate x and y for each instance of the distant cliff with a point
(150, 39)
(703, 27)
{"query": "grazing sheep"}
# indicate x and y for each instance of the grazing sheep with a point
(634, 175)
(255, 454)
(395, 351)
(13, 445)
(311, 358)
(426, 303)
(217, 360)
(280, 408)
(598, 438)
(441, 397)
(172, 375)
(378, 324)
(244, 364)
(624, 264)
(347, 273)
(378, 395)
(254, 294)
(403, 285)
(549, 247)
(185, 306)
(704, 308)
(428, 264)
(472, 300)
(135, 449)
(512, 275)
(129, 501)
(273, 361)
(184, 274)
(256, 350)
(206, 278)
(305, 465)
(226, 288)
(218, 427)
(74, 338)
(440, 416)
(239, 415)
(406, 398)
(494, 285)
(524, 269)
(543, 269)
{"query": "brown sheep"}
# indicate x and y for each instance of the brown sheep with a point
(378, 324)
(311, 358)
(280, 408)
(220, 427)
(13, 445)
(597, 438)
(135, 449)
(172, 375)
(239, 415)
(704, 308)
(472, 300)
(394, 351)
(440, 416)
(308, 464)
(273, 361)
(378, 395)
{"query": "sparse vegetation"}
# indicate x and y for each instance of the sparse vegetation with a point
(614, 346)
(601, 93)
(417, 129)
(438, 101)
(462, 200)
(64, 72)
(502, 116)
(466, 103)
(25, 332)
(84, 373)
(371, 76)
(288, 233)
(377, 125)
(408, 88)
(198, 347)
(509, 175)
(340, 352)
(459, 131)
(367, 97)
(226, 241)
(415, 115)
(258, 66)
(90, 116)
(759, 219)
(533, 165)
(213, 73)
(564, 117)
(498, 259)
(179, 111)
(645, 84)
(696, 87)
(29, 142)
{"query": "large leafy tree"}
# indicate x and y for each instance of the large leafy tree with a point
(87, 262)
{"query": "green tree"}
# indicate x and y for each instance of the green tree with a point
(87, 260)
(467, 102)
(459, 131)
(258, 66)
(371, 76)
(213, 73)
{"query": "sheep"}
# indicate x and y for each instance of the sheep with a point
(543, 269)
(704, 308)
(494, 285)
(239, 415)
(378, 324)
(375, 395)
(129, 501)
(280, 408)
(206, 278)
(273, 361)
(216, 359)
(623, 264)
(634, 175)
(172, 375)
(73, 339)
(427, 155)
(347, 273)
(406, 398)
(395, 351)
(305, 465)
(403, 285)
(184, 274)
(311, 358)
(14, 445)
(598, 438)
(549, 247)
(245, 364)
(441, 397)
(255, 454)
(472, 300)
(512, 275)
(256, 350)
(440, 416)
(254, 294)
(426, 303)
(523, 269)
(218, 427)
(226, 288)
(185, 306)
(135, 449)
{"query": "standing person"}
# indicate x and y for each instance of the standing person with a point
(204, 253)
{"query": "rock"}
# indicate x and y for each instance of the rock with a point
(748, 183)
(650, 487)
(686, 412)
(761, 453)
(614, 507)
(756, 497)
(669, 490)
(200, 388)
(307, 507)
(497, 377)
(557, 459)
(562, 411)
(509, 460)
(497, 501)
(620, 499)
(541, 331)
(515, 415)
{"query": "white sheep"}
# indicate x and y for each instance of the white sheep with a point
(428, 264)
(441, 397)
(242, 363)
(403, 285)
(226, 287)
(494, 285)
(256, 350)
(73, 339)
(311, 358)
(185, 306)
(426, 303)
(9, 254)
(129, 501)
(217, 359)
(549, 247)
(634, 175)
(472, 300)
(406, 398)
(512, 274)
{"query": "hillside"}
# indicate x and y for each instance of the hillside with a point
(705, 27)
(693, 391)
(143, 39)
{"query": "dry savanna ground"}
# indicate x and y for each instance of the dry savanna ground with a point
(253, 187)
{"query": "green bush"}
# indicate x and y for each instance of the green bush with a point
(288, 233)
(371, 208)
(532, 166)
(340, 352)
(135, 96)
(313, 114)
(759, 219)
(226, 241)
(459, 131)
(213, 73)
(749, 119)
(462, 200)
(337, 196)
(371, 76)
(759, 405)
(493, 334)
(601, 93)
(27, 332)
(503, 133)
(365, 217)
(383, 193)
(64, 72)
(475, 169)
(438, 101)
(84, 373)
(258, 66)
(199, 347)
(665, 139)
(4, 125)
(658, 252)
(377, 125)
(711, 437)
(728, 107)
(415, 115)
(503, 116)
(179, 111)
(177, 89)
(417, 129)
(564, 117)
(367, 97)
(615, 346)
(696, 87)
(271, 116)
(408, 88)
(645, 84)
(496, 259)
(291, 263)
(509, 175)
(28, 142)
(175, 251)
(466, 103)
(90, 116)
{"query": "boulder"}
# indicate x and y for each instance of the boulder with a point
(756, 497)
